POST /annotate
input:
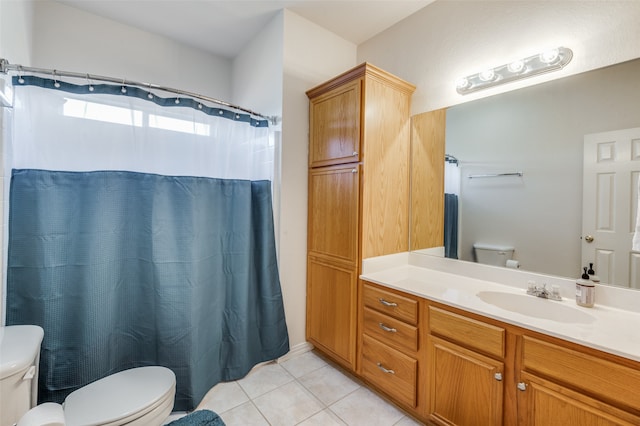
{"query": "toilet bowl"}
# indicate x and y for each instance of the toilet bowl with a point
(138, 396)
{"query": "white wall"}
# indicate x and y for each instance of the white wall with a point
(256, 73)
(312, 55)
(447, 40)
(69, 39)
(16, 31)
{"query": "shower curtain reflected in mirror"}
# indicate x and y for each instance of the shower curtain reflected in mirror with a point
(451, 194)
(141, 235)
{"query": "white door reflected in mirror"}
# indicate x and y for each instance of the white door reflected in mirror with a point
(610, 205)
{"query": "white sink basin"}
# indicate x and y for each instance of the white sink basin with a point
(536, 307)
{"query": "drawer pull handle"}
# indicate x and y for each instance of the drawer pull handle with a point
(388, 329)
(385, 370)
(385, 303)
(522, 386)
(498, 376)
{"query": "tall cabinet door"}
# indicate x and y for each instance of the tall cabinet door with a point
(333, 213)
(334, 123)
(331, 318)
(332, 261)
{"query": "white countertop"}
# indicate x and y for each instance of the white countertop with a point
(606, 328)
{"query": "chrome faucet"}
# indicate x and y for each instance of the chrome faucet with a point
(543, 293)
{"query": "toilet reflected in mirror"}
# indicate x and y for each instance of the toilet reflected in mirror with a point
(495, 255)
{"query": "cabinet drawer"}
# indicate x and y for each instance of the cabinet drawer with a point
(468, 332)
(390, 370)
(392, 304)
(605, 379)
(391, 331)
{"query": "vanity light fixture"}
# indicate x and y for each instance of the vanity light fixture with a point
(550, 60)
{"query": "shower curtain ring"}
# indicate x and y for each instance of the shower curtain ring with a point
(56, 83)
(20, 79)
(149, 95)
(90, 84)
(124, 89)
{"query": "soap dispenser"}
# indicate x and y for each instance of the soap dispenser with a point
(592, 274)
(585, 290)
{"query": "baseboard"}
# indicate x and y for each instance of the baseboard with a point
(298, 349)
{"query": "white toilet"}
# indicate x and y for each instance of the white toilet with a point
(139, 396)
(19, 357)
(492, 254)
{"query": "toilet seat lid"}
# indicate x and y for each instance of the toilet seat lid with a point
(119, 396)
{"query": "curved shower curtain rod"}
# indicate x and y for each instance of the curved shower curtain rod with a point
(6, 66)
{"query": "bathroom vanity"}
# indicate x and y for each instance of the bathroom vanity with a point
(447, 355)
(461, 344)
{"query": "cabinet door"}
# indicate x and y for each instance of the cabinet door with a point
(334, 126)
(331, 310)
(543, 403)
(333, 213)
(465, 388)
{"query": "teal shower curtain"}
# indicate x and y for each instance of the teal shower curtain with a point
(125, 269)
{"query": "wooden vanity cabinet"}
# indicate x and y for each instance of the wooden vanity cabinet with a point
(465, 372)
(390, 343)
(453, 367)
(564, 384)
(359, 152)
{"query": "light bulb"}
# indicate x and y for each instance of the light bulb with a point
(516, 66)
(462, 83)
(549, 56)
(487, 75)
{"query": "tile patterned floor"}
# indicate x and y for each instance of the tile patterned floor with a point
(303, 390)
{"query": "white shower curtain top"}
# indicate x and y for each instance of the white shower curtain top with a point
(93, 132)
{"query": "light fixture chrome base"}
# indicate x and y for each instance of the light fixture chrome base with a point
(544, 62)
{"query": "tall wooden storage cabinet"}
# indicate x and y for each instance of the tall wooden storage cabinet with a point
(359, 149)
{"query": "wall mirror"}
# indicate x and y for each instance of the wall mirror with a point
(539, 131)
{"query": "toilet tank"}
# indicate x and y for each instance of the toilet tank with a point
(492, 254)
(19, 359)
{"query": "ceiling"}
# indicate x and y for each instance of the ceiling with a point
(223, 27)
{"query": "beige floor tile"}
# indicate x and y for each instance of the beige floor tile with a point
(328, 384)
(408, 421)
(365, 408)
(244, 415)
(223, 397)
(264, 379)
(298, 392)
(288, 405)
(303, 364)
(323, 418)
